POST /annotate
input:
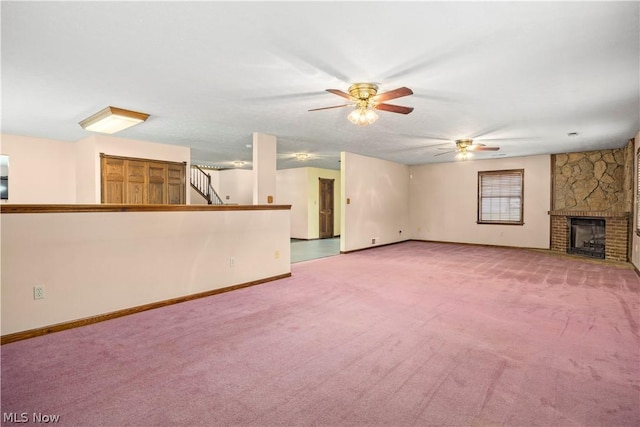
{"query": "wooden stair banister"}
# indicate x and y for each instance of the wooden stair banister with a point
(201, 182)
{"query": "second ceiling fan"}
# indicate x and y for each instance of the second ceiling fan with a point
(465, 147)
(365, 97)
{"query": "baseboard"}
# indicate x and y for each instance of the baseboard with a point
(624, 264)
(314, 238)
(32, 333)
(478, 244)
(374, 246)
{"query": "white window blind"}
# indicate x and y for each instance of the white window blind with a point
(500, 196)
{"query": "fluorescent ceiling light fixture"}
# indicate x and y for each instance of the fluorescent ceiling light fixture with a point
(112, 120)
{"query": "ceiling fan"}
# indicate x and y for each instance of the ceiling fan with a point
(365, 97)
(465, 148)
(302, 157)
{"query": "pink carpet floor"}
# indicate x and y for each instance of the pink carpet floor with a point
(416, 333)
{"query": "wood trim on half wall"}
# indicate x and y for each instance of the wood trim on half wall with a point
(71, 208)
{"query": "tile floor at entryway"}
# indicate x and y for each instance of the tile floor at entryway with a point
(304, 250)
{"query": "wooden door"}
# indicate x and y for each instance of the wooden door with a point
(176, 184)
(113, 173)
(136, 178)
(157, 183)
(326, 208)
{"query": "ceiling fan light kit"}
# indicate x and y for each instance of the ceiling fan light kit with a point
(362, 116)
(111, 120)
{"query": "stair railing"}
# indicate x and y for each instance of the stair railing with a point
(201, 182)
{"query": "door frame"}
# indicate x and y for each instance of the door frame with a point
(328, 233)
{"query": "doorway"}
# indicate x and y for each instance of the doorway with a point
(326, 208)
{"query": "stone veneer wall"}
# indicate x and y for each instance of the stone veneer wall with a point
(594, 184)
(593, 180)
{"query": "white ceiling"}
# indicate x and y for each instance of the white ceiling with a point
(520, 75)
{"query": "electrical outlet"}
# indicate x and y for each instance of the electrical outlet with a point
(38, 292)
(277, 254)
(373, 241)
(232, 262)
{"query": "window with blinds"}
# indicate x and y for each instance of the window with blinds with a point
(500, 197)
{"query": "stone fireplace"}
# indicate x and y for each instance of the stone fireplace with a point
(592, 196)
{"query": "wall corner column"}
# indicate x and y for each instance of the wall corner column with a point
(264, 169)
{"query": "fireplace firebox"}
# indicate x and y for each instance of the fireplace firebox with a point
(587, 237)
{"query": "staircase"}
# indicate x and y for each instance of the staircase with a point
(201, 182)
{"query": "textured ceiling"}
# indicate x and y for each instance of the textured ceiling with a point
(518, 75)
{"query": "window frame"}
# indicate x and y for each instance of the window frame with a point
(481, 174)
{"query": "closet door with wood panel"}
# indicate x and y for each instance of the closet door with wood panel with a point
(137, 174)
(176, 184)
(142, 181)
(157, 183)
(112, 177)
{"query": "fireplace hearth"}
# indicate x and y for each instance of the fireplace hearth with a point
(587, 237)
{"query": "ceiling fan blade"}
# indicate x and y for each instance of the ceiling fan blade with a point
(486, 149)
(392, 94)
(340, 93)
(446, 152)
(394, 108)
(329, 108)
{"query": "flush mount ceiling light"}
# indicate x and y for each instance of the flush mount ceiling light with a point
(302, 156)
(112, 120)
(238, 164)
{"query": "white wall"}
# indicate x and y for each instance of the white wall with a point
(300, 188)
(48, 171)
(379, 195)
(40, 170)
(236, 186)
(291, 187)
(196, 198)
(264, 168)
(444, 203)
(96, 263)
(635, 240)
